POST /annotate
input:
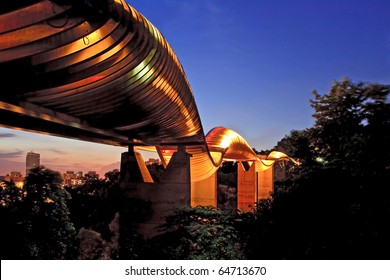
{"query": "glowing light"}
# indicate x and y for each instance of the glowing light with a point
(227, 139)
(166, 88)
(49, 200)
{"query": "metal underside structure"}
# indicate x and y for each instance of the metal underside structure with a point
(97, 70)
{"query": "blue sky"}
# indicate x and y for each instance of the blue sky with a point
(251, 64)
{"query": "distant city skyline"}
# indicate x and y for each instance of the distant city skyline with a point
(62, 159)
(252, 66)
(19, 162)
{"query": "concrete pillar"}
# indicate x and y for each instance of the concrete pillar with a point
(178, 169)
(265, 183)
(133, 168)
(246, 187)
(204, 192)
(161, 199)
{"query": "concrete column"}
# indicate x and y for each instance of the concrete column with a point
(265, 183)
(161, 199)
(204, 192)
(133, 168)
(246, 187)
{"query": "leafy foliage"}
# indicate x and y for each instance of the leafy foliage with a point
(325, 213)
(336, 203)
(40, 218)
(94, 204)
(227, 186)
(10, 203)
(352, 128)
(156, 171)
(94, 210)
(297, 145)
(93, 247)
(201, 233)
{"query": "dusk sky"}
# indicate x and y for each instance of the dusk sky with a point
(251, 64)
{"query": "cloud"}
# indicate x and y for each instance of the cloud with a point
(7, 135)
(56, 151)
(110, 167)
(11, 154)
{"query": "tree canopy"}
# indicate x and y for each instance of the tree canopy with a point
(352, 127)
(37, 217)
(338, 202)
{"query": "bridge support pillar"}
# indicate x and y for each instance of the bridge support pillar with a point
(253, 186)
(153, 202)
(265, 183)
(204, 192)
(133, 168)
(246, 187)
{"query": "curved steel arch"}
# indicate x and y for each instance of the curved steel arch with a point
(97, 70)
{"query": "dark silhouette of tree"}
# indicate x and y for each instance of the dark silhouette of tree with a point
(201, 233)
(297, 145)
(94, 209)
(334, 208)
(94, 204)
(325, 213)
(352, 127)
(261, 152)
(227, 186)
(11, 195)
(49, 232)
(10, 232)
(112, 176)
(351, 130)
(92, 246)
(156, 171)
(40, 218)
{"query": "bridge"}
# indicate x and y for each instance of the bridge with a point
(97, 70)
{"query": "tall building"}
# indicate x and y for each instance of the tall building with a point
(32, 160)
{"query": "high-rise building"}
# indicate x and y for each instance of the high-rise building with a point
(32, 160)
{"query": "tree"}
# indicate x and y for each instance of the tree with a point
(112, 176)
(326, 213)
(156, 171)
(94, 207)
(10, 233)
(296, 145)
(10, 195)
(352, 127)
(200, 233)
(94, 204)
(337, 208)
(227, 186)
(92, 246)
(49, 232)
